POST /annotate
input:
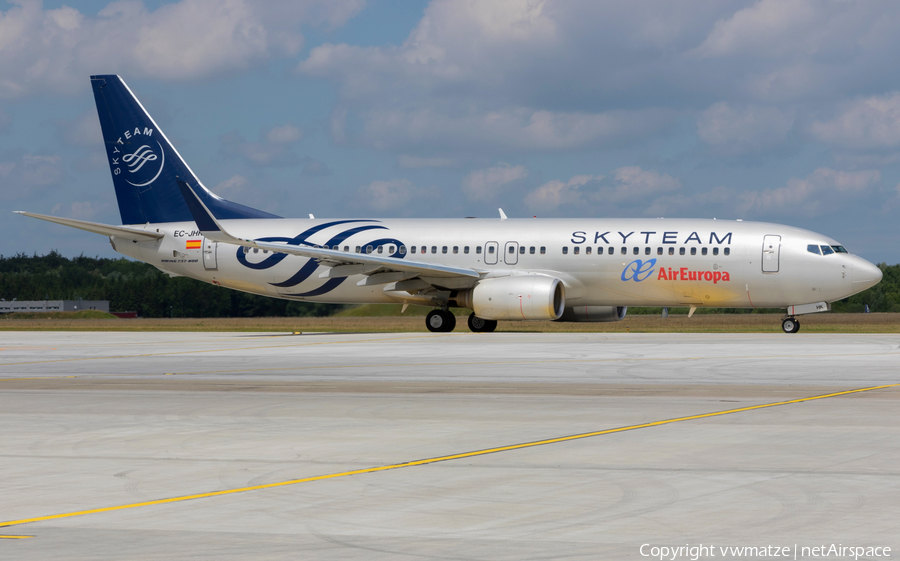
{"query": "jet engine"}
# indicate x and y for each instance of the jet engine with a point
(518, 297)
(594, 314)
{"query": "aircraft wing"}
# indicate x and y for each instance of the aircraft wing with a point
(344, 263)
(121, 232)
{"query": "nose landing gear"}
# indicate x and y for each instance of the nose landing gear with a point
(790, 325)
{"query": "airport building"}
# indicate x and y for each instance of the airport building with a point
(7, 307)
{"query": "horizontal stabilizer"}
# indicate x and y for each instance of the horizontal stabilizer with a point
(97, 228)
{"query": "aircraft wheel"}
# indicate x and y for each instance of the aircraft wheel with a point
(790, 325)
(480, 325)
(439, 321)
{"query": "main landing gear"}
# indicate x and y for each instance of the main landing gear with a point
(790, 325)
(479, 325)
(440, 321)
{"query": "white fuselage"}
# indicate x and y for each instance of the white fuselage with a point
(602, 262)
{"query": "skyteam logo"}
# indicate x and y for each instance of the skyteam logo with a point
(638, 270)
(142, 165)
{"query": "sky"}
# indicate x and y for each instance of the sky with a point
(784, 111)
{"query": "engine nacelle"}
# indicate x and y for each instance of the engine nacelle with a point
(594, 314)
(519, 297)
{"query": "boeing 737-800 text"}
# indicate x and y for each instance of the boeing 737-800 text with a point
(584, 269)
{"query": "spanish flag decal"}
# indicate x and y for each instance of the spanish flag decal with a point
(192, 244)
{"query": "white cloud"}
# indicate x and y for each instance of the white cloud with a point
(555, 193)
(391, 195)
(23, 175)
(83, 210)
(57, 49)
(818, 193)
(274, 148)
(485, 184)
(233, 188)
(631, 184)
(872, 122)
(736, 130)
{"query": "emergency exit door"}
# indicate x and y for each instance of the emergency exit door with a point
(511, 253)
(210, 262)
(771, 253)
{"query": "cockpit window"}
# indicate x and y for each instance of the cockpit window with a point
(826, 250)
(839, 249)
(812, 248)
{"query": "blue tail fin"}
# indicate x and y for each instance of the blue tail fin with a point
(144, 165)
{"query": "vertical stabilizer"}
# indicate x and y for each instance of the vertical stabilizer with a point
(145, 165)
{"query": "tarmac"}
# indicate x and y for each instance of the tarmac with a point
(446, 446)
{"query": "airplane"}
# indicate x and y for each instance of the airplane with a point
(569, 270)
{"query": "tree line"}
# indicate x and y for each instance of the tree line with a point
(136, 286)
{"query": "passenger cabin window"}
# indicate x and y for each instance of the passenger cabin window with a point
(703, 251)
(402, 250)
(347, 249)
(646, 251)
(565, 250)
(358, 249)
(693, 251)
(727, 251)
(444, 249)
(715, 251)
(826, 250)
(531, 250)
(624, 251)
(576, 249)
(671, 251)
(680, 251)
(522, 250)
(543, 250)
(659, 251)
(391, 249)
(587, 251)
(636, 251)
(599, 250)
(478, 250)
(512, 250)
(424, 249)
(380, 249)
(466, 250)
(455, 249)
(491, 249)
(368, 249)
(412, 249)
(434, 249)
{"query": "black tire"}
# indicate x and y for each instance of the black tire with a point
(436, 321)
(490, 325)
(790, 325)
(476, 324)
(450, 320)
(439, 321)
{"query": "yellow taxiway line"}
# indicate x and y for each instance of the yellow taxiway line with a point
(437, 458)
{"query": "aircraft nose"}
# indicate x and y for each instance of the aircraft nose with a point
(865, 275)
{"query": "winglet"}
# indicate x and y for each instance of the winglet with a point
(502, 214)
